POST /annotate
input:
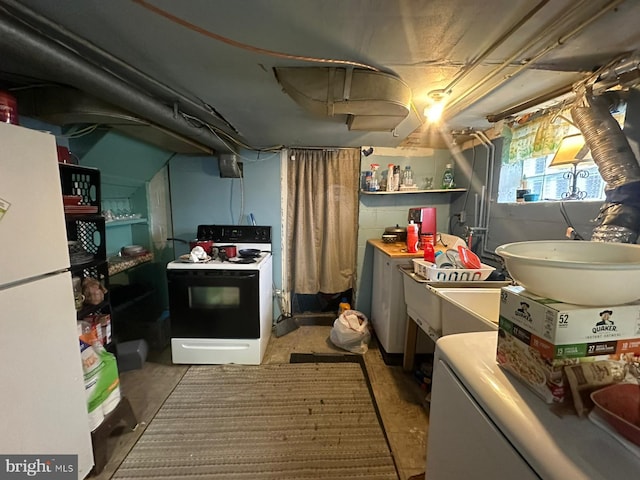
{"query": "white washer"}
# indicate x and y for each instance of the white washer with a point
(485, 424)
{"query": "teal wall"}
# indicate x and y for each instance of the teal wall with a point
(378, 212)
(200, 196)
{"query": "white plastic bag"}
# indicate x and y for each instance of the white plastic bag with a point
(351, 332)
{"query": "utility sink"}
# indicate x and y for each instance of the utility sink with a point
(443, 308)
(469, 309)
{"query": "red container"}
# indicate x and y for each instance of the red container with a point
(206, 244)
(619, 405)
(412, 238)
(8, 108)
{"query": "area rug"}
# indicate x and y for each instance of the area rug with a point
(283, 421)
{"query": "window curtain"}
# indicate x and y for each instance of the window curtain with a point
(322, 219)
(536, 137)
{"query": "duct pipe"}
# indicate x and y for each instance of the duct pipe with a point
(619, 217)
(21, 42)
(119, 68)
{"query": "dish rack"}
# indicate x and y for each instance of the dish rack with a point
(432, 273)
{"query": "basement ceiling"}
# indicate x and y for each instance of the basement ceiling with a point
(212, 64)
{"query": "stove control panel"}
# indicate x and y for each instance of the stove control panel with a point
(235, 233)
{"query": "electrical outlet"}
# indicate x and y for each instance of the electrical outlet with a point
(463, 216)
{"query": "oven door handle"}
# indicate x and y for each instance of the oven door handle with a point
(236, 274)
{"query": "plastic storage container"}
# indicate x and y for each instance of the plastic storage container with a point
(434, 274)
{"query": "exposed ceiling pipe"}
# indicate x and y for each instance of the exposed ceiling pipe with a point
(459, 104)
(503, 38)
(624, 73)
(111, 63)
(21, 42)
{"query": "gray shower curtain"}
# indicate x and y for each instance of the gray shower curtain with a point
(322, 219)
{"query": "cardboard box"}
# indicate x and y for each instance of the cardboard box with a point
(538, 337)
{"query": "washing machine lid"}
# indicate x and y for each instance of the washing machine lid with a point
(555, 447)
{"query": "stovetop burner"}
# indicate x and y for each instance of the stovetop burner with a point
(244, 237)
(243, 260)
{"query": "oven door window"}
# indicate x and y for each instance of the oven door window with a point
(214, 303)
(214, 297)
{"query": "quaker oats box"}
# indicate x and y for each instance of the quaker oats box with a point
(538, 338)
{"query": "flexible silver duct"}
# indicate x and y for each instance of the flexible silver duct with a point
(619, 217)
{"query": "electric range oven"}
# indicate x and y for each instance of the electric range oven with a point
(222, 310)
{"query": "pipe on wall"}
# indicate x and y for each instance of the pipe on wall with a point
(485, 205)
(20, 41)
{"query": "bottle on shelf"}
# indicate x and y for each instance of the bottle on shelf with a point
(374, 185)
(412, 237)
(407, 177)
(396, 177)
(390, 179)
(448, 180)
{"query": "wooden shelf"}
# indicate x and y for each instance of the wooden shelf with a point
(119, 264)
(403, 192)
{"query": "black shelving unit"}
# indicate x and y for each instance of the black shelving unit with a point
(88, 229)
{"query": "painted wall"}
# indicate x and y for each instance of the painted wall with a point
(200, 196)
(378, 211)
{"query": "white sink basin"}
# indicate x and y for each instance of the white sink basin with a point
(469, 309)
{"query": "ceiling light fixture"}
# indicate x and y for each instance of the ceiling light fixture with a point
(437, 101)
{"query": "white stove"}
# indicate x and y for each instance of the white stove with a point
(222, 310)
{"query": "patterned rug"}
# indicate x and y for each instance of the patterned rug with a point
(283, 421)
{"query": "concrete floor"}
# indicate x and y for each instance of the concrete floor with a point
(399, 398)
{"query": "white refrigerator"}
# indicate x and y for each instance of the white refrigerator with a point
(42, 396)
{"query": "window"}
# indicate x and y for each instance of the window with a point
(553, 183)
(529, 149)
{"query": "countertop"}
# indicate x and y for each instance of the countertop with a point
(398, 249)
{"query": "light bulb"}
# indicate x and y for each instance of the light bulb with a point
(434, 111)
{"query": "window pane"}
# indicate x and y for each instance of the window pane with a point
(552, 183)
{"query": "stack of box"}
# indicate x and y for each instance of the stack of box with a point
(538, 337)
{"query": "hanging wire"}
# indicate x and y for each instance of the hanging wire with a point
(574, 234)
(244, 46)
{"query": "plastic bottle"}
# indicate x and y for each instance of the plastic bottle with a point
(447, 177)
(343, 306)
(374, 177)
(396, 177)
(390, 183)
(407, 176)
(412, 237)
